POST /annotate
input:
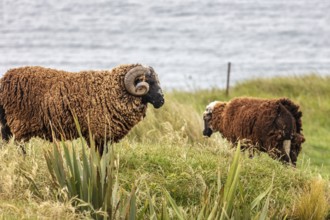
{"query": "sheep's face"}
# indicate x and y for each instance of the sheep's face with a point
(207, 117)
(155, 94)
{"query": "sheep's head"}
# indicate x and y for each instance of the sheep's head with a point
(207, 117)
(211, 117)
(143, 81)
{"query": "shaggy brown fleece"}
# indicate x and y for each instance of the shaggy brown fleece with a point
(36, 100)
(265, 123)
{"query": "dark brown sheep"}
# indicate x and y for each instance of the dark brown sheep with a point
(272, 125)
(34, 101)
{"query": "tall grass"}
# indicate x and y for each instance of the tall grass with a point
(92, 185)
(312, 203)
(26, 191)
(220, 205)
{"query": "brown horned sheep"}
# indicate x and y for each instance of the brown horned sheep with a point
(38, 101)
(272, 125)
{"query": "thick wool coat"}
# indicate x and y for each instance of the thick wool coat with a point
(40, 101)
(265, 123)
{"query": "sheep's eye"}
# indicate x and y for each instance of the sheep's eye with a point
(207, 116)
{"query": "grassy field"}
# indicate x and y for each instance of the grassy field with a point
(166, 152)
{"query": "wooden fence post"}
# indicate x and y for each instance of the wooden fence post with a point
(228, 78)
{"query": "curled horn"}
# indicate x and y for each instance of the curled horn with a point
(139, 89)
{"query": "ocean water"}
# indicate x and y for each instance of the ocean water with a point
(188, 42)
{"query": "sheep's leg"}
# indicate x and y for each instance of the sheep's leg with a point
(5, 130)
(287, 148)
(101, 147)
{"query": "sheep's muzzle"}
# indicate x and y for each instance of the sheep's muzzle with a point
(207, 132)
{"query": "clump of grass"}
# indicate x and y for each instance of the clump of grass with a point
(174, 123)
(31, 209)
(25, 189)
(221, 207)
(313, 202)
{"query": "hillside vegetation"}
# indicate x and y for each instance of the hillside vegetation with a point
(176, 173)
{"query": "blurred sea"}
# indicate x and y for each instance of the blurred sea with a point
(188, 42)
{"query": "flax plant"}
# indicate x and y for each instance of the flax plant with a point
(90, 180)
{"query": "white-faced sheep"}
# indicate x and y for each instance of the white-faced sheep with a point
(37, 101)
(272, 125)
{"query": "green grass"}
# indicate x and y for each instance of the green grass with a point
(166, 152)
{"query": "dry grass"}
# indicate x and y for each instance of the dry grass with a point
(313, 201)
(25, 188)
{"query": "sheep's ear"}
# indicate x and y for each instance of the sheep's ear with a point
(141, 88)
